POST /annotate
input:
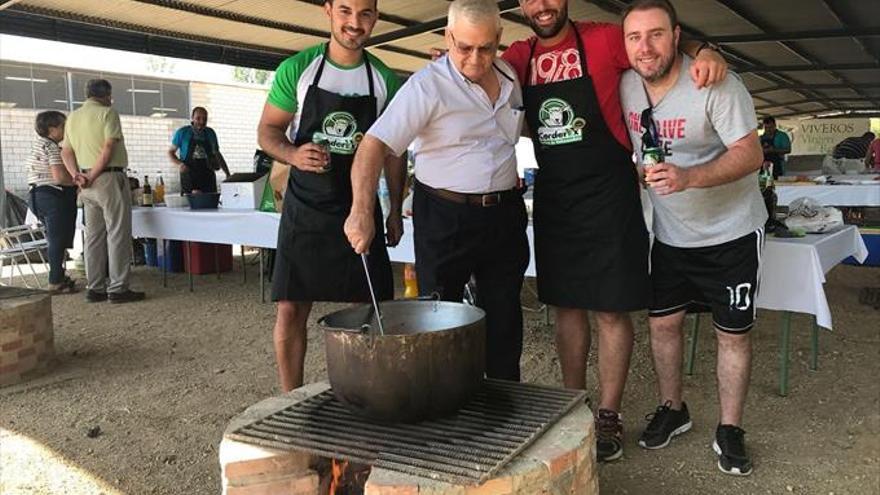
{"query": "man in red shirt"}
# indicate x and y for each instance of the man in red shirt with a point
(591, 243)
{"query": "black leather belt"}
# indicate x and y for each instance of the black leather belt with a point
(473, 199)
(107, 169)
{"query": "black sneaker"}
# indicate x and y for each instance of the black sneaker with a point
(730, 446)
(124, 297)
(95, 296)
(665, 423)
(609, 435)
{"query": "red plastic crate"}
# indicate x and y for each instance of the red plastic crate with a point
(200, 257)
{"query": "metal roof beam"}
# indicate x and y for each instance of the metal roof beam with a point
(59, 26)
(796, 35)
(427, 26)
(834, 12)
(866, 111)
(814, 87)
(814, 100)
(736, 10)
(808, 67)
(735, 58)
(233, 16)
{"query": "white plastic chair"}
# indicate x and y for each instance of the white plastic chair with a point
(17, 247)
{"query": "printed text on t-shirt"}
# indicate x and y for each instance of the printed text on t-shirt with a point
(668, 130)
(555, 66)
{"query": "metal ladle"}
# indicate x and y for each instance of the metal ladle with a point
(373, 294)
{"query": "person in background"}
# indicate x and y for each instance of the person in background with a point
(322, 101)
(776, 145)
(195, 152)
(708, 220)
(872, 158)
(853, 148)
(52, 196)
(93, 138)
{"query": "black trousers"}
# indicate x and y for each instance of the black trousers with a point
(454, 241)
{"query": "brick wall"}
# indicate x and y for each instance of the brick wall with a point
(26, 337)
(233, 113)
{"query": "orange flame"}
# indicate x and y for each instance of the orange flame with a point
(336, 468)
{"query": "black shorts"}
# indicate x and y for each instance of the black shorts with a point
(722, 279)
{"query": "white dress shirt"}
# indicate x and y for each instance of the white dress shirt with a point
(461, 141)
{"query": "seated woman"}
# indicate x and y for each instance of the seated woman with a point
(52, 196)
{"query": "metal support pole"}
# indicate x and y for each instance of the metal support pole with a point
(784, 352)
(262, 289)
(814, 346)
(189, 264)
(164, 263)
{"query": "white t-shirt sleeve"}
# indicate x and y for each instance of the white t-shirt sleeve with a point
(410, 110)
(731, 110)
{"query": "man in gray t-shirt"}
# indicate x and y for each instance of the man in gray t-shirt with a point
(708, 219)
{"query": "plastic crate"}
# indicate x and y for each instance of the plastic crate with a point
(204, 257)
(871, 236)
(170, 255)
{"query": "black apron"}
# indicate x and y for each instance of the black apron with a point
(591, 243)
(199, 174)
(315, 261)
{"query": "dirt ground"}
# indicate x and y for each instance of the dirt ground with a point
(161, 379)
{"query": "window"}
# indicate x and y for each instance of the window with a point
(147, 98)
(123, 98)
(175, 100)
(16, 86)
(51, 94)
(24, 85)
(80, 81)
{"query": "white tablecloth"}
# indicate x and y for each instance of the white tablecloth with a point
(793, 270)
(833, 195)
(791, 279)
(248, 227)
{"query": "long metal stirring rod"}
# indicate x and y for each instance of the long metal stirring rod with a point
(373, 294)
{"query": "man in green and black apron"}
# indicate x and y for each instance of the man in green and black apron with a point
(328, 95)
(591, 243)
(196, 152)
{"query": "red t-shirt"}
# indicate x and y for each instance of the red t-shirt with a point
(606, 61)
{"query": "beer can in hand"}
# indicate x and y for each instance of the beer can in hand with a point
(652, 156)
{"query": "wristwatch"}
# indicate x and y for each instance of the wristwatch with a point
(709, 45)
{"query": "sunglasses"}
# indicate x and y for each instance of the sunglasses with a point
(651, 137)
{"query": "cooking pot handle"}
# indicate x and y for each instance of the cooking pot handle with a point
(365, 328)
(434, 296)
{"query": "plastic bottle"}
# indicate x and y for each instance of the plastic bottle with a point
(148, 192)
(384, 197)
(410, 284)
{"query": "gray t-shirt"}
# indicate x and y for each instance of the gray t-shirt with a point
(696, 127)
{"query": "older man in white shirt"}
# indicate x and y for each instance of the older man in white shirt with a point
(463, 114)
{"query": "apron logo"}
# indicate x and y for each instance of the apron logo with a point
(339, 133)
(560, 126)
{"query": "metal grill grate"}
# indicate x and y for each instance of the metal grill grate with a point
(468, 448)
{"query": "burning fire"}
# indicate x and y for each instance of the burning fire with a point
(336, 470)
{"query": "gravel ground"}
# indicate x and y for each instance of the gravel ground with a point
(156, 382)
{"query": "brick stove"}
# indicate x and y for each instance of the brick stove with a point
(275, 447)
(26, 334)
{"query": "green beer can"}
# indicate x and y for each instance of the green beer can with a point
(652, 156)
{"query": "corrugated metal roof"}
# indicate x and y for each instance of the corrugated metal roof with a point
(796, 56)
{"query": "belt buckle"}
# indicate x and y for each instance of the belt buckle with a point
(490, 199)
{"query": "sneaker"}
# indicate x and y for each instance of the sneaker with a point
(663, 424)
(124, 297)
(730, 446)
(609, 436)
(95, 296)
